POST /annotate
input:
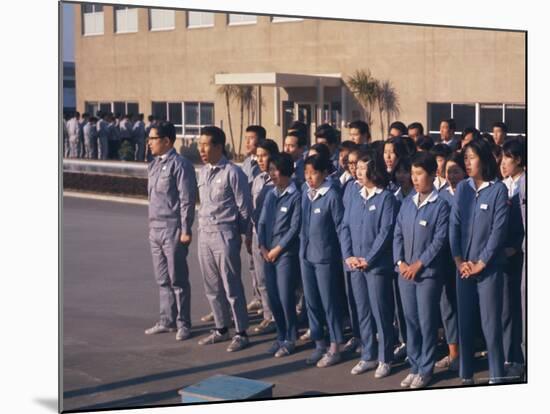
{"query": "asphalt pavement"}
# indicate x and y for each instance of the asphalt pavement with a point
(110, 297)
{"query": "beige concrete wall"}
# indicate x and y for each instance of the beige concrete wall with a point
(425, 64)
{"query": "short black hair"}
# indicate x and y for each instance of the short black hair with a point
(318, 162)
(426, 161)
(348, 145)
(216, 134)
(409, 145)
(403, 164)
(270, 146)
(515, 148)
(166, 129)
(377, 146)
(76, 114)
(376, 168)
(85, 115)
(458, 159)
(471, 130)
(283, 163)
(327, 132)
(416, 125)
(398, 146)
(483, 150)
(299, 126)
(441, 150)
(258, 130)
(425, 143)
(301, 138)
(488, 137)
(451, 122)
(399, 126)
(362, 126)
(501, 125)
(321, 149)
(150, 118)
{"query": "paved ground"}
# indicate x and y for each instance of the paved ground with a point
(110, 297)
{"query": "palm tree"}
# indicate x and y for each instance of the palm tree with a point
(388, 102)
(363, 85)
(229, 92)
(246, 98)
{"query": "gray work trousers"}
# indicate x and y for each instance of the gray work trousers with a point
(172, 276)
(220, 263)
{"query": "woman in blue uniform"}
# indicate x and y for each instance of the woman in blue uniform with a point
(394, 150)
(513, 168)
(479, 219)
(455, 172)
(322, 212)
(278, 237)
(366, 237)
(420, 235)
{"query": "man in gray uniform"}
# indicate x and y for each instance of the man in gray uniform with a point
(172, 196)
(102, 137)
(138, 138)
(81, 124)
(224, 215)
(90, 138)
(73, 128)
(66, 146)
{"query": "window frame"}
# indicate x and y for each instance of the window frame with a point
(241, 23)
(98, 103)
(184, 125)
(160, 29)
(477, 123)
(94, 13)
(200, 26)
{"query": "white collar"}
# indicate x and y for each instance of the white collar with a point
(432, 197)
(439, 182)
(483, 185)
(321, 191)
(450, 190)
(449, 142)
(367, 196)
(345, 177)
(290, 189)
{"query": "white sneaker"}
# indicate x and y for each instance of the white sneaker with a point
(383, 370)
(421, 381)
(363, 366)
(158, 329)
(406, 383)
(329, 359)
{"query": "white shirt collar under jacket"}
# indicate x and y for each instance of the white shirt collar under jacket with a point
(439, 182)
(366, 196)
(291, 188)
(513, 185)
(314, 194)
(450, 190)
(345, 177)
(483, 185)
(432, 197)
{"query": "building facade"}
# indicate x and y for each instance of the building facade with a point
(176, 64)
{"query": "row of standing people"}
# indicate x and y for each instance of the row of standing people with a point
(337, 223)
(101, 137)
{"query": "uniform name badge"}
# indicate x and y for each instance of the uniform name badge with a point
(163, 168)
(484, 206)
(372, 208)
(317, 211)
(284, 209)
(423, 223)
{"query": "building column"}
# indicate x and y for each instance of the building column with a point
(276, 106)
(344, 105)
(320, 101)
(259, 105)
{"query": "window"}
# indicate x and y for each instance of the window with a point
(200, 19)
(282, 19)
(161, 19)
(126, 19)
(92, 19)
(114, 107)
(479, 115)
(187, 117)
(68, 83)
(236, 19)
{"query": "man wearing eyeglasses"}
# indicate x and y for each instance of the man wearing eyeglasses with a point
(172, 192)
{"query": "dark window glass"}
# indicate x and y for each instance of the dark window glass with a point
(207, 114)
(69, 83)
(105, 107)
(191, 131)
(516, 119)
(158, 110)
(91, 108)
(191, 114)
(464, 116)
(174, 113)
(488, 115)
(119, 108)
(132, 108)
(288, 116)
(437, 112)
(90, 8)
